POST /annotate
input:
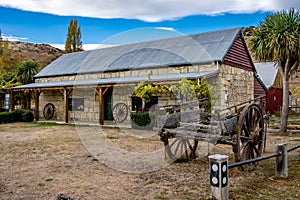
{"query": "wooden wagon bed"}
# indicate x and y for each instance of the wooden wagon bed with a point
(242, 126)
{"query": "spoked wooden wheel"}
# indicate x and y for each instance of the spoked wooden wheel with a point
(48, 111)
(250, 135)
(180, 148)
(120, 112)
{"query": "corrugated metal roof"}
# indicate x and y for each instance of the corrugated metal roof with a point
(267, 72)
(193, 49)
(123, 80)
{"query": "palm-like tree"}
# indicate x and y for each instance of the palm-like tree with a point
(277, 39)
(26, 71)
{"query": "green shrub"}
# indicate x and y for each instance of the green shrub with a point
(27, 117)
(15, 116)
(6, 117)
(143, 121)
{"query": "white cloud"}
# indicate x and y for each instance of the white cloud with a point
(59, 46)
(148, 10)
(13, 38)
(95, 46)
(86, 47)
(165, 28)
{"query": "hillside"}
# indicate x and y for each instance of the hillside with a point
(295, 87)
(40, 53)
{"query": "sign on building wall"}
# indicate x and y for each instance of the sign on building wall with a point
(7, 101)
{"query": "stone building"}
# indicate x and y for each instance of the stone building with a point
(90, 85)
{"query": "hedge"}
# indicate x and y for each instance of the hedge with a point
(27, 117)
(16, 116)
(143, 121)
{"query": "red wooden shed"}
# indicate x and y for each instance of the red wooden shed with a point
(269, 75)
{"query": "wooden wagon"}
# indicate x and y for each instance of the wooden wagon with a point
(243, 126)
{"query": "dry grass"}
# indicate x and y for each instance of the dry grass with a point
(41, 162)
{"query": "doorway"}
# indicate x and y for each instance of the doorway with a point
(108, 104)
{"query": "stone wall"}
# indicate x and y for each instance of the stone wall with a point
(56, 98)
(90, 110)
(122, 94)
(236, 83)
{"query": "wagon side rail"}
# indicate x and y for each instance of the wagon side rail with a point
(237, 107)
(176, 107)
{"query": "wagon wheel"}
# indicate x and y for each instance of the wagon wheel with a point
(250, 135)
(48, 111)
(120, 112)
(180, 148)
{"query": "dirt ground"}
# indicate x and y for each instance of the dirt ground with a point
(45, 162)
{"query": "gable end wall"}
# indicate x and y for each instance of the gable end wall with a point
(238, 56)
(237, 83)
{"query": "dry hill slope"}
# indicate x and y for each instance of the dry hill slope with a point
(43, 54)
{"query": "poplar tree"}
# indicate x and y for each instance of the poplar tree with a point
(73, 41)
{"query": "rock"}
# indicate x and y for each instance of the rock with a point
(63, 197)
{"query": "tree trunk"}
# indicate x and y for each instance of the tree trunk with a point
(143, 106)
(285, 105)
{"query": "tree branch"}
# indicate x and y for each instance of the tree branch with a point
(293, 68)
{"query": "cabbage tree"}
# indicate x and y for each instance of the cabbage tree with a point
(277, 39)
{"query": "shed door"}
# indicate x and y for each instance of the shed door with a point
(108, 104)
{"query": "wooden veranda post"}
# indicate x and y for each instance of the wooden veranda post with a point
(101, 105)
(37, 104)
(28, 99)
(101, 91)
(66, 110)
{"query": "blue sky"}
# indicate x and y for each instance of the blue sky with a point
(117, 21)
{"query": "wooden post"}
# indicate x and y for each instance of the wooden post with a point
(101, 105)
(281, 165)
(219, 176)
(66, 116)
(101, 93)
(27, 94)
(37, 104)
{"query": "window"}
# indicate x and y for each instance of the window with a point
(76, 104)
(137, 103)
